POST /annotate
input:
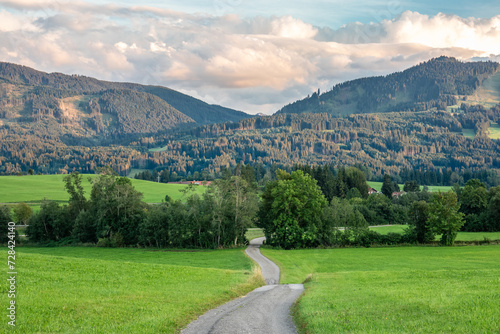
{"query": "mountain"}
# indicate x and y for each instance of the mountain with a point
(108, 107)
(437, 83)
(53, 123)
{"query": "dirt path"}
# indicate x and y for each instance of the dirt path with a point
(264, 310)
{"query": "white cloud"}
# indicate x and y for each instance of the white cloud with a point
(253, 64)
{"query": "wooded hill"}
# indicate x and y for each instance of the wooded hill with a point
(433, 139)
(437, 83)
(99, 107)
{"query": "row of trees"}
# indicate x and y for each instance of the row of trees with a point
(294, 212)
(115, 215)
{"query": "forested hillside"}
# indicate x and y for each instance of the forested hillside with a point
(437, 83)
(23, 88)
(52, 130)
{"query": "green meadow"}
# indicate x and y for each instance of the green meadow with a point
(461, 236)
(494, 131)
(100, 290)
(378, 186)
(395, 290)
(34, 188)
(469, 133)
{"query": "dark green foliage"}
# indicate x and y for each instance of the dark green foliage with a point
(444, 217)
(51, 223)
(432, 84)
(387, 186)
(418, 216)
(218, 219)
(411, 186)
(474, 201)
(117, 207)
(5, 219)
(290, 210)
(77, 200)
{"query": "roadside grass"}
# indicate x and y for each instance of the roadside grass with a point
(34, 188)
(395, 290)
(378, 186)
(95, 290)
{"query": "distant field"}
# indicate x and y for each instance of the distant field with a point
(461, 236)
(494, 131)
(469, 133)
(389, 229)
(378, 186)
(395, 290)
(96, 290)
(37, 187)
(253, 233)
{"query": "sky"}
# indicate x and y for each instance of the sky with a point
(255, 56)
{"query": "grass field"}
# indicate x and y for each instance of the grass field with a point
(378, 186)
(395, 290)
(461, 236)
(469, 133)
(96, 290)
(253, 233)
(37, 187)
(494, 131)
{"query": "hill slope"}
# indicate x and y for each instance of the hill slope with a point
(437, 83)
(25, 86)
(53, 129)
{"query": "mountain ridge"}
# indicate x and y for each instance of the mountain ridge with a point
(437, 83)
(52, 129)
(197, 111)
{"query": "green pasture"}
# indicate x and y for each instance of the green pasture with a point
(469, 133)
(378, 186)
(34, 188)
(96, 290)
(395, 290)
(494, 131)
(461, 236)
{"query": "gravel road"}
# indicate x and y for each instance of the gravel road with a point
(264, 310)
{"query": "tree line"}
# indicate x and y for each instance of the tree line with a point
(305, 207)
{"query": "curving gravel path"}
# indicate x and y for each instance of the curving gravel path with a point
(264, 310)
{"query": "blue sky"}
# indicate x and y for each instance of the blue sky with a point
(254, 56)
(328, 13)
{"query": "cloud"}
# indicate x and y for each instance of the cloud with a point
(253, 64)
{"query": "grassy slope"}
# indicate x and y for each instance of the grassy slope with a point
(35, 188)
(90, 290)
(396, 290)
(488, 94)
